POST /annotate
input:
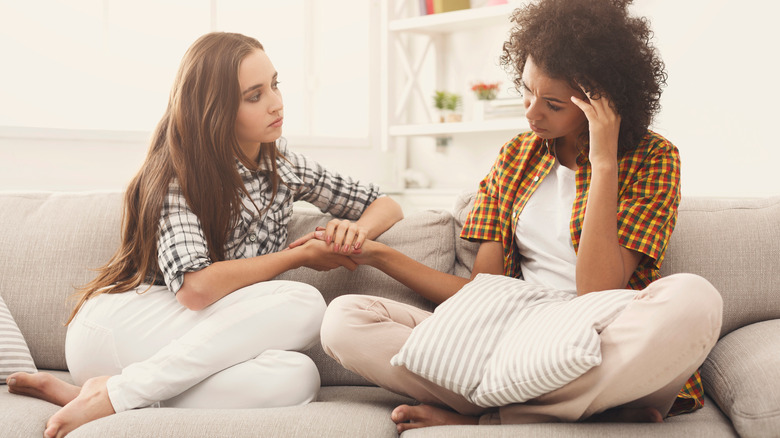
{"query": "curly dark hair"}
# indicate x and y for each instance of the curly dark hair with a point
(595, 44)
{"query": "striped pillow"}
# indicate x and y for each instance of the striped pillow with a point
(501, 340)
(14, 354)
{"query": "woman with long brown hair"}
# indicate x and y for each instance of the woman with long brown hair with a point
(186, 313)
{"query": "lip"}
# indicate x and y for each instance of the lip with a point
(277, 123)
(535, 128)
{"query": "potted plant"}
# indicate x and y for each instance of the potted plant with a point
(440, 102)
(484, 92)
(452, 104)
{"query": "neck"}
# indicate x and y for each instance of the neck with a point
(566, 151)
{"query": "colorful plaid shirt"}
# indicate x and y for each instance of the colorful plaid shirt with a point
(648, 196)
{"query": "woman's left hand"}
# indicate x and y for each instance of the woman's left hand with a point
(604, 126)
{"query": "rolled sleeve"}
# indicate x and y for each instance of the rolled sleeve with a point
(330, 192)
(182, 245)
(484, 220)
(647, 210)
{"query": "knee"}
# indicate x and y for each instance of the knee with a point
(298, 378)
(339, 326)
(698, 300)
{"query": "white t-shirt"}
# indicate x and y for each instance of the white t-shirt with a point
(542, 232)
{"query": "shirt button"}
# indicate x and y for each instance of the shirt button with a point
(253, 237)
(536, 178)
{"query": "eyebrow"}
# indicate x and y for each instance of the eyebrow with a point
(549, 99)
(256, 86)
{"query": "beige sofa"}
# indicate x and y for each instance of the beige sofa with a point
(49, 242)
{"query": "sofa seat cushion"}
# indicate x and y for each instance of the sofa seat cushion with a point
(742, 374)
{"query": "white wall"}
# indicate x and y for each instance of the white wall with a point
(719, 108)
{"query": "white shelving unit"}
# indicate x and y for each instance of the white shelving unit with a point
(402, 87)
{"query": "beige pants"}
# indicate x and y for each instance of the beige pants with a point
(648, 353)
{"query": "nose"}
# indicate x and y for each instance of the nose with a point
(277, 103)
(532, 112)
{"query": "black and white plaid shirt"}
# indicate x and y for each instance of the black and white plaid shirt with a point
(182, 245)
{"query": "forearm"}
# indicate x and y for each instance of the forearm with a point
(379, 216)
(600, 263)
(433, 285)
(208, 285)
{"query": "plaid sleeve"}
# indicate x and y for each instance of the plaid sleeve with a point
(330, 192)
(182, 245)
(484, 220)
(647, 209)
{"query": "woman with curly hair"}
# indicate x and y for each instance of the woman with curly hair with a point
(585, 202)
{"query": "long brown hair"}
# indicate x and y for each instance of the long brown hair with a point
(194, 144)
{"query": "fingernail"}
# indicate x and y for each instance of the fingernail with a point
(11, 381)
(357, 245)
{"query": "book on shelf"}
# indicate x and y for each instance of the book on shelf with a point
(504, 107)
(440, 6)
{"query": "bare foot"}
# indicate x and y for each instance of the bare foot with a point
(628, 415)
(412, 417)
(92, 403)
(43, 386)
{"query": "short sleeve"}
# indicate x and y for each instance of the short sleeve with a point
(332, 193)
(484, 222)
(181, 247)
(647, 208)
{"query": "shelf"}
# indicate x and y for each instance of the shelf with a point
(454, 21)
(515, 124)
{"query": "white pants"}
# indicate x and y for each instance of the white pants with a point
(240, 352)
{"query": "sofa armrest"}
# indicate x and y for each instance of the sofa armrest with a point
(742, 375)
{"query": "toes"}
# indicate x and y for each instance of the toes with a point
(399, 414)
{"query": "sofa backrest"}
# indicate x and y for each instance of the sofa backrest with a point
(50, 243)
(735, 244)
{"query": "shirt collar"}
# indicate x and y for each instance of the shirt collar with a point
(582, 158)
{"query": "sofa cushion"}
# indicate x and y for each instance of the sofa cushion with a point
(14, 354)
(742, 375)
(735, 244)
(49, 244)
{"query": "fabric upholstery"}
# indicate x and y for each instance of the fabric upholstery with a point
(742, 375)
(49, 244)
(735, 244)
(14, 354)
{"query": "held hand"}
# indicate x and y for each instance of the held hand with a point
(346, 236)
(320, 257)
(604, 125)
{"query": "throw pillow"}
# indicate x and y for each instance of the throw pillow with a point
(14, 354)
(502, 340)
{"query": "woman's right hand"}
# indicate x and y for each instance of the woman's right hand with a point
(319, 256)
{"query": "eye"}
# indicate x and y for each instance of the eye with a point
(275, 85)
(254, 98)
(553, 107)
